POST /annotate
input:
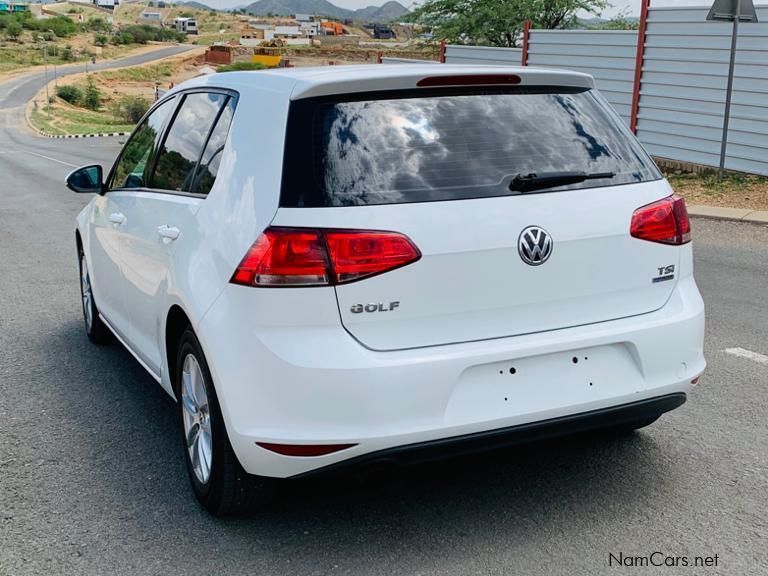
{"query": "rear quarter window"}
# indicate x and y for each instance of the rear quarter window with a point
(449, 145)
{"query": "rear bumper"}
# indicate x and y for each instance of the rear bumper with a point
(512, 436)
(317, 385)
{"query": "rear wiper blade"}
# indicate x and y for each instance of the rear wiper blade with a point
(542, 180)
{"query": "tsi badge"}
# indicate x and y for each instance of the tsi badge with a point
(665, 273)
(380, 307)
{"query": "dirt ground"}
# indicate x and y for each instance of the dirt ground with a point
(734, 191)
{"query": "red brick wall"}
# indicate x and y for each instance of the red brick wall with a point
(218, 56)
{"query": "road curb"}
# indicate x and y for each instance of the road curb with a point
(732, 214)
(46, 135)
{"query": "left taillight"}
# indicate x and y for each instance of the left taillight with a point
(295, 257)
(665, 221)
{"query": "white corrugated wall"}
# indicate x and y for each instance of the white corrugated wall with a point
(683, 88)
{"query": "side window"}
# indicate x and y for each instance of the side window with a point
(132, 168)
(183, 145)
(209, 163)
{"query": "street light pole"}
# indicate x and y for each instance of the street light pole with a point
(55, 72)
(730, 10)
(728, 94)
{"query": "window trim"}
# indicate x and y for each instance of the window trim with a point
(179, 96)
(149, 112)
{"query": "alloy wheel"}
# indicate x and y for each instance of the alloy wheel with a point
(87, 295)
(197, 418)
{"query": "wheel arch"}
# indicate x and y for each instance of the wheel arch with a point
(176, 322)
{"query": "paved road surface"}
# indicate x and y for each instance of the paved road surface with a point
(92, 479)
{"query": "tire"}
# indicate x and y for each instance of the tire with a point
(96, 330)
(218, 480)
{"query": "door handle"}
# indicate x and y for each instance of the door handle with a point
(168, 232)
(117, 218)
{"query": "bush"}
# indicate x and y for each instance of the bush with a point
(130, 108)
(143, 33)
(92, 96)
(13, 30)
(100, 39)
(98, 24)
(123, 38)
(71, 94)
(66, 54)
(59, 25)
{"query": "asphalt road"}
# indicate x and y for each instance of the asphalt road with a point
(92, 478)
(18, 91)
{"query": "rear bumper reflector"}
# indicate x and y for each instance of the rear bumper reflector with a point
(304, 449)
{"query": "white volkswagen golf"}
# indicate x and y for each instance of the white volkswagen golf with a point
(341, 265)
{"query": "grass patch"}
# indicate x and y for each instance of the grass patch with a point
(65, 120)
(735, 190)
(710, 184)
(241, 66)
(150, 73)
(209, 39)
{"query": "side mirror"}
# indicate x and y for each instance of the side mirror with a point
(88, 179)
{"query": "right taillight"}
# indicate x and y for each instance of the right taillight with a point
(665, 221)
(321, 257)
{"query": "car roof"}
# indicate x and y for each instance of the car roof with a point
(307, 82)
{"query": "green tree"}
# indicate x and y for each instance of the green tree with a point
(92, 96)
(498, 22)
(13, 30)
(619, 22)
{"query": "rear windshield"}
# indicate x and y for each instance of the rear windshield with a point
(424, 147)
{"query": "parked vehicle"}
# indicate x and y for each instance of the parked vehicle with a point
(335, 266)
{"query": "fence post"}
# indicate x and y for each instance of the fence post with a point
(526, 42)
(379, 55)
(639, 59)
(442, 52)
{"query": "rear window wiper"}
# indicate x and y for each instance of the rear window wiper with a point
(542, 180)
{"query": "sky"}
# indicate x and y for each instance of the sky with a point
(631, 7)
(627, 7)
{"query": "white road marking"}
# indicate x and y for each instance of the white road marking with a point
(51, 159)
(748, 354)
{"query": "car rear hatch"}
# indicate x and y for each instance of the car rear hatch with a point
(498, 257)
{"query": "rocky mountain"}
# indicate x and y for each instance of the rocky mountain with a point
(385, 13)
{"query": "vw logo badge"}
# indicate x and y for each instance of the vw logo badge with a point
(534, 245)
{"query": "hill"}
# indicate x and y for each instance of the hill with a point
(195, 5)
(389, 11)
(386, 12)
